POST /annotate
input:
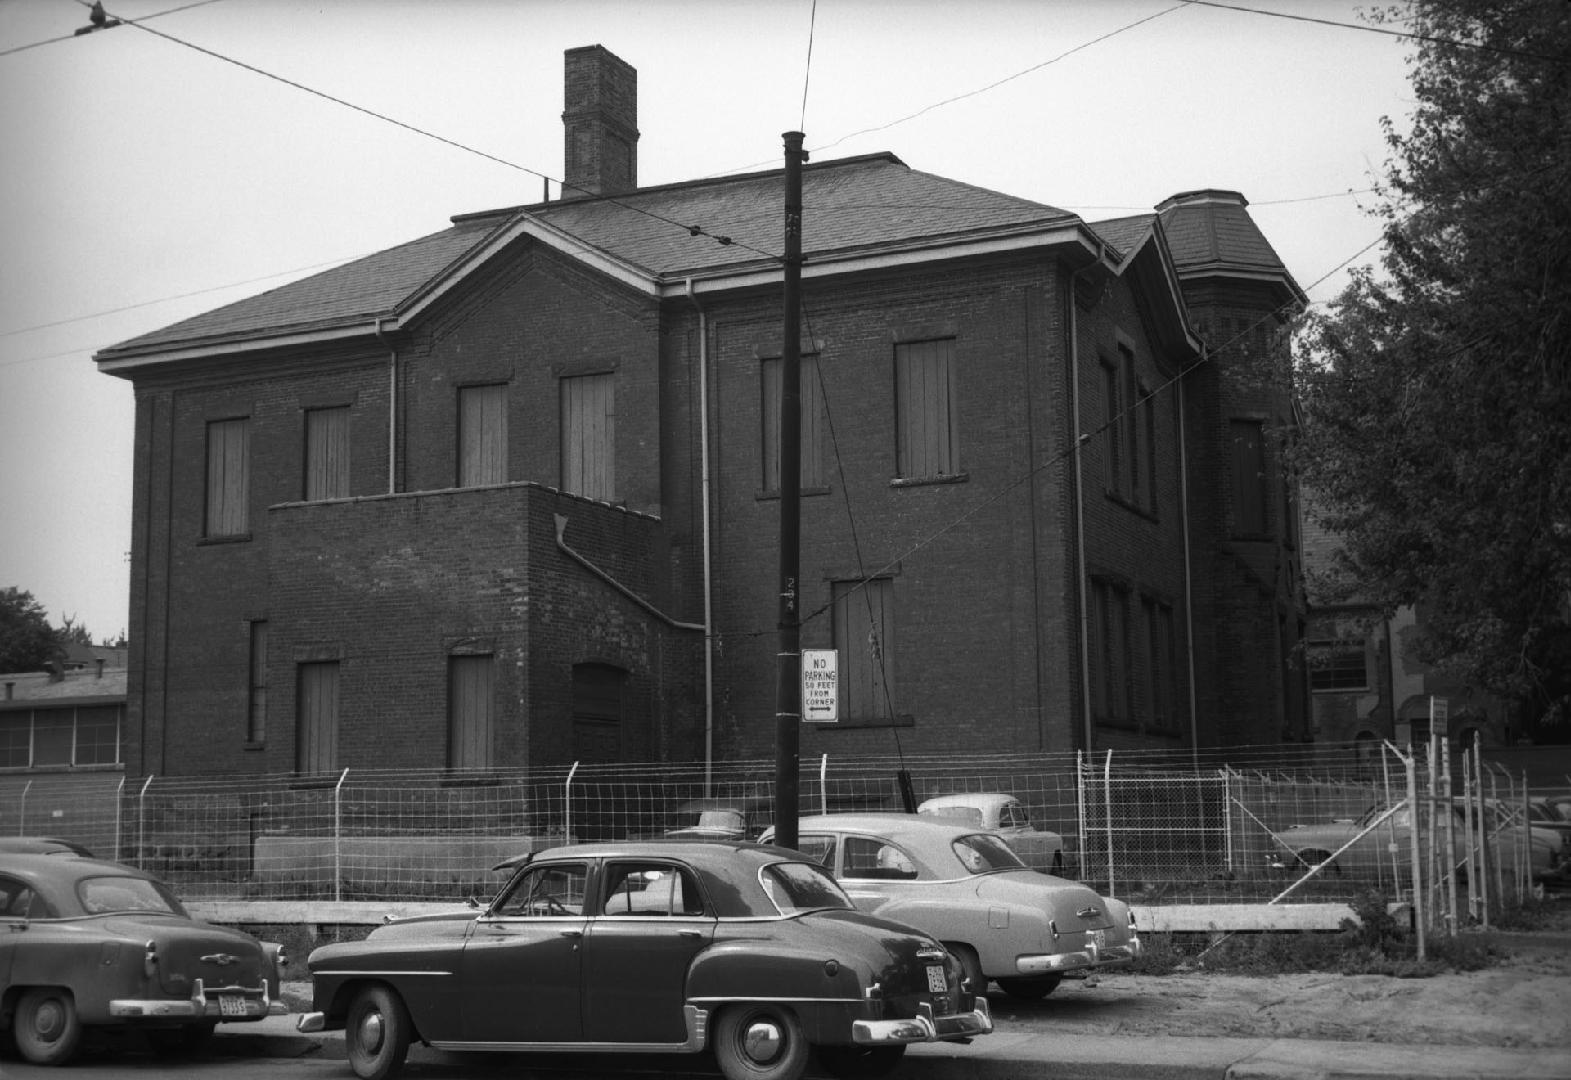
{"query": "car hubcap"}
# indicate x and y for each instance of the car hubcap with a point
(371, 1032)
(762, 1041)
(49, 1020)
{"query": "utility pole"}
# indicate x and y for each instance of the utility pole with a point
(788, 673)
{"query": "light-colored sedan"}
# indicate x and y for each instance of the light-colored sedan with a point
(1022, 928)
(1005, 815)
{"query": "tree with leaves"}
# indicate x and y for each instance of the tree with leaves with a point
(27, 641)
(1437, 387)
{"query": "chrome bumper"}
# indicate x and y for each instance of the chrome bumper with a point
(202, 1004)
(924, 1027)
(311, 1022)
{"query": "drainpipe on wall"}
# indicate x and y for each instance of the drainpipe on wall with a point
(392, 408)
(1189, 579)
(1080, 517)
(703, 453)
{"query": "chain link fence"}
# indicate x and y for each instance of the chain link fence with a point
(1264, 825)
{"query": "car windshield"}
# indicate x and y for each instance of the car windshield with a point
(984, 853)
(101, 895)
(797, 887)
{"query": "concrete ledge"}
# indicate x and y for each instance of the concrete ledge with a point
(1167, 919)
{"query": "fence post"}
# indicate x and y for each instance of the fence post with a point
(1483, 843)
(567, 806)
(338, 832)
(1080, 817)
(1449, 808)
(21, 819)
(119, 797)
(1410, 766)
(1467, 830)
(141, 822)
(823, 784)
(1107, 816)
(1227, 818)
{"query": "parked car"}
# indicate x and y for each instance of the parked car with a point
(1352, 846)
(1006, 816)
(87, 943)
(41, 845)
(721, 818)
(1006, 922)
(651, 947)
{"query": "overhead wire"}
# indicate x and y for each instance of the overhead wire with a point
(78, 33)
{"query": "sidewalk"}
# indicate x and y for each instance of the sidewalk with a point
(1082, 1057)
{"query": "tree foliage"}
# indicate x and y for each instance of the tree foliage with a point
(1436, 391)
(27, 641)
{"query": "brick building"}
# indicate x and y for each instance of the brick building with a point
(475, 500)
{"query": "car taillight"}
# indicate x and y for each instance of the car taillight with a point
(150, 959)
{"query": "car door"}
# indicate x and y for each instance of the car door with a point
(520, 973)
(653, 920)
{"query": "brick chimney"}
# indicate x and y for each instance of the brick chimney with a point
(600, 121)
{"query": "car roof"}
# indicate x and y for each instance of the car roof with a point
(41, 845)
(893, 825)
(750, 802)
(729, 868)
(47, 867)
(974, 798)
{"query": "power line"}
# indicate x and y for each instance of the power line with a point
(690, 229)
(1405, 34)
(807, 68)
(68, 37)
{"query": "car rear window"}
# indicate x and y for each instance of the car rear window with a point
(100, 895)
(982, 853)
(797, 887)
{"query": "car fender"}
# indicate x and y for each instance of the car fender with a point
(737, 969)
(93, 968)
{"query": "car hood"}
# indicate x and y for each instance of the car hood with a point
(1071, 905)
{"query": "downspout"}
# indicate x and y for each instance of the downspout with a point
(392, 407)
(582, 560)
(1080, 516)
(1189, 573)
(703, 455)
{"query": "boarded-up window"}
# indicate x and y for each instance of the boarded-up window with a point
(589, 436)
(1110, 662)
(316, 711)
(864, 629)
(228, 477)
(812, 411)
(1249, 477)
(256, 703)
(927, 442)
(482, 435)
(1161, 666)
(470, 696)
(327, 453)
(597, 712)
(1113, 395)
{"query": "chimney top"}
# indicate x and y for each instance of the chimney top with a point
(600, 123)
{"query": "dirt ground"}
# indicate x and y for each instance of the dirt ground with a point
(1525, 1001)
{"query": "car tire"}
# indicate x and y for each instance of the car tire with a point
(1030, 987)
(377, 1031)
(1311, 857)
(180, 1040)
(758, 1041)
(46, 1027)
(854, 1062)
(971, 964)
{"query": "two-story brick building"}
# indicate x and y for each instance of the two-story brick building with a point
(507, 495)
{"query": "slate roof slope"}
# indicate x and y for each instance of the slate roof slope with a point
(1212, 228)
(77, 686)
(1125, 234)
(873, 202)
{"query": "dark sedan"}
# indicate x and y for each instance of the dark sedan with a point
(86, 943)
(653, 947)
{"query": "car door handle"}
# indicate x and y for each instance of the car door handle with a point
(689, 933)
(571, 933)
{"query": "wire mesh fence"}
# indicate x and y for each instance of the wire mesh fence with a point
(1251, 825)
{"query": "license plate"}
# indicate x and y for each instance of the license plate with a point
(936, 983)
(1099, 938)
(231, 1005)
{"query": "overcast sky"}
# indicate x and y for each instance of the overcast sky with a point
(147, 180)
